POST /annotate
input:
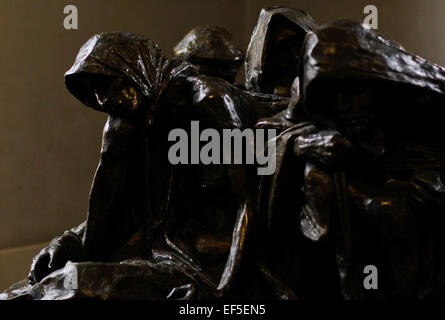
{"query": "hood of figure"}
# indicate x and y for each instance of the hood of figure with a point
(118, 68)
(212, 50)
(274, 49)
(349, 57)
(208, 42)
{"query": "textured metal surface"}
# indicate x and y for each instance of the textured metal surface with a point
(183, 228)
(363, 175)
(274, 49)
(212, 51)
(359, 171)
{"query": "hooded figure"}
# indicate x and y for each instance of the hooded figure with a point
(211, 50)
(373, 179)
(153, 230)
(273, 68)
(272, 64)
(123, 75)
(274, 50)
(362, 179)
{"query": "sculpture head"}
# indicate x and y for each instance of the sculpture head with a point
(274, 49)
(353, 77)
(122, 74)
(211, 50)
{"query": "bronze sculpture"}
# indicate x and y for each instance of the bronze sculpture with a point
(351, 162)
(354, 184)
(386, 176)
(133, 223)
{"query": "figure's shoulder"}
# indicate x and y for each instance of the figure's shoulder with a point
(225, 103)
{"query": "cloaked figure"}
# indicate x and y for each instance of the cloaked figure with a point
(154, 230)
(380, 158)
(274, 50)
(212, 51)
(372, 191)
(272, 63)
(273, 74)
(294, 266)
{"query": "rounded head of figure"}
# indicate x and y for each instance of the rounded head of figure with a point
(353, 77)
(211, 50)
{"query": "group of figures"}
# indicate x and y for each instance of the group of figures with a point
(359, 165)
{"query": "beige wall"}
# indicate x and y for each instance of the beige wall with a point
(49, 142)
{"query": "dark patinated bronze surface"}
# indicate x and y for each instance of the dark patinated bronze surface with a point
(184, 228)
(363, 175)
(272, 60)
(274, 49)
(358, 180)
